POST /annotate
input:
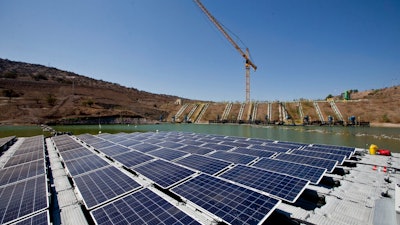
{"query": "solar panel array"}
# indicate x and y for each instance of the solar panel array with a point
(234, 180)
(23, 185)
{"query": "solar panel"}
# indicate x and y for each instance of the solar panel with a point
(196, 150)
(191, 142)
(349, 149)
(132, 158)
(271, 148)
(348, 154)
(329, 165)
(20, 172)
(76, 153)
(141, 207)
(311, 173)
(144, 147)
(218, 146)
(129, 142)
(170, 144)
(254, 152)
(85, 164)
(164, 173)
(103, 184)
(102, 144)
(232, 203)
(168, 154)
(42, 218)
(204, 164)
(114, 150)
(323, 155)
(279, 185)
(23, 198)
(235, 144)
(233, 157)
(23, 158)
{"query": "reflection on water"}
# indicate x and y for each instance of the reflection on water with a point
(361, 137)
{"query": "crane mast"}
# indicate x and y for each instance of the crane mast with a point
(245, 55)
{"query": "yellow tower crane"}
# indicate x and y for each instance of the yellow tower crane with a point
(245, 55)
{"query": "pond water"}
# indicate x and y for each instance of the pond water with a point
(361, 137)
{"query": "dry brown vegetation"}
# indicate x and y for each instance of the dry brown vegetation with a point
(32, 94)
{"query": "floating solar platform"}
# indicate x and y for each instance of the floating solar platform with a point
(141, 207)
(163, 173)
(204, 164)
(233, 157)
(231, 203)
(282, 186)
(85, 164)
(254, 152)
(103, 185)
(168, 154)
(329, 165)
(132, 158)
(22, 171)
(23, 198)
(339, 158)
(311, 173)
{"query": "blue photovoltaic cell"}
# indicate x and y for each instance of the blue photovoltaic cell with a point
(254, 152)
(196, 150)
(152, 140)
(76, 153)
(114, 150)
(132, 158)
(233, 157)
(39, 219)
(20, 172)
(167, 153)
(234, 204)
(282, 186)
(145, 147)
(141, 207)
(311, 173)
(103, 184)
(164, 173)
(348, 154)
(323, 155)
(204, 164)
(23, 158)
(23, 198)
(218, 146)
(85, 164)
(329, 165)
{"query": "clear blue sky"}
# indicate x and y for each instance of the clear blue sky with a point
(303, 48)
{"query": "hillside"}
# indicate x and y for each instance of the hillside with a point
(35, 94)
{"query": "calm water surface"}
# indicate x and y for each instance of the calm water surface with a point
(361, 137)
